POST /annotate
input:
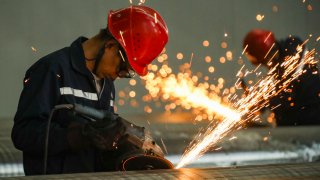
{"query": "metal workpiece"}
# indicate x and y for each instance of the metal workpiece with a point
(242, 150)
(10, 157)
(252, 146)
(278, 171)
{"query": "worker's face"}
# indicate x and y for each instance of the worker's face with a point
(113, 63)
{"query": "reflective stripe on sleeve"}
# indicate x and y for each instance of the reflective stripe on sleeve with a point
(78, 93)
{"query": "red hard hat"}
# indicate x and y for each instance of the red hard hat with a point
(259, 43)
(142, 33)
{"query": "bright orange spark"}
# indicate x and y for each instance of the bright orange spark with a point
(33, 49)
(257, 98)
(184, 88)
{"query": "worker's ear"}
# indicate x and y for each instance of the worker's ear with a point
(111, 43)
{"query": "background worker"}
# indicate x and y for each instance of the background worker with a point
(299, 104)
(84, 73)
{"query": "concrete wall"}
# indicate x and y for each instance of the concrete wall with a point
(49, 25)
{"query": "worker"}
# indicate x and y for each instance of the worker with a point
(299, 103)
(84, 73)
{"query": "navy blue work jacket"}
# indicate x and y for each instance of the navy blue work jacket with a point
(299, 104)
(58, 78)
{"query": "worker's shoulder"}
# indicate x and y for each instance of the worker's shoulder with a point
(54, 61)
(60, 56)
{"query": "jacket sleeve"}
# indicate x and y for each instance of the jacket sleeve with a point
(39, 95)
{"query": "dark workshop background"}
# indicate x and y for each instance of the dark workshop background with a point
(31, 29)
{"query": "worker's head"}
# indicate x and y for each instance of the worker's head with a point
(259, 46)
(111, 60)
(134, 37)
(142, 34)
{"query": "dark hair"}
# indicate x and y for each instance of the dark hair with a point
(105, 34)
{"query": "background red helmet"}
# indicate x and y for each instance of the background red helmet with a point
(259, 43)
(142, 33)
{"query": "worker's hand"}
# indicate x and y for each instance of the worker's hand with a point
(75, 138)
(105, 134)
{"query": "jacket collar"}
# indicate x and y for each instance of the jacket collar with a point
(77, 56)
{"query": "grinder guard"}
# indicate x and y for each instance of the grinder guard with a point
(138, 151)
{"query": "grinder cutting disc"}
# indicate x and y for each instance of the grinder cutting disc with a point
(145, 162)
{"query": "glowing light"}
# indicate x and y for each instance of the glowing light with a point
(207, 59)
(148, 109)
(154, 67)
(179, 56)
(229, 55)
(155, 18)
(33, 49)
(220, 80)
(194, 78)
(132, 94)
(232, 90)
(122, 38)
(244, 49)
(121, 102)
(160, 59)
(205, 43)
(163, 145)
(211, 69)
(134, 103)
(122, 94)
(183, 87)
(191, 60)
(165, 56)
(269, 50)
(141, 2)
(259, 17)
(185, 90)
(275, 8)
(132, 82)
(26, 80)
(222, 60)
(224, 45)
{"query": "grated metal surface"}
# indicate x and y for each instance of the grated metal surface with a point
(283, 171)
(10, 157)
(284, 145)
